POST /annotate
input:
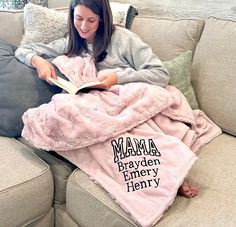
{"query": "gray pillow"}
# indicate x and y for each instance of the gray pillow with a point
(20, 89)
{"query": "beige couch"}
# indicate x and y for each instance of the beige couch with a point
(38, 188)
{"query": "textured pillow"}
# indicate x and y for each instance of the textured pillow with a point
(123, 14)
(44, 25)
(180, 76)
(20, 89)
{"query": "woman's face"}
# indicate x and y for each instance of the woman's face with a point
(86, 22)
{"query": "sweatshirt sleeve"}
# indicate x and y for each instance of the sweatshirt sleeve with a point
(24, 53)
(145, 66)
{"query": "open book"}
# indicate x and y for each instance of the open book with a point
(73, 89)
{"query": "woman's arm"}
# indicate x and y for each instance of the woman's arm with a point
(31, 55)
(24, 53)
(133, 60)
(146, 66)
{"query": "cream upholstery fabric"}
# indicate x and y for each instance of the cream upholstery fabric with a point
(89, 205)
(46, 220)
(60, 168)
(62, 218)
(214, 72)
(12, 34)
(26, 189)
(168, 37)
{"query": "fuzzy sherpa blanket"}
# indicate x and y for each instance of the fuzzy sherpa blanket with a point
(135, 140)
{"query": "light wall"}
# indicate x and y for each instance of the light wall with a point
(58, 3)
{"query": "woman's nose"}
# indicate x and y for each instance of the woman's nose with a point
(84, 25)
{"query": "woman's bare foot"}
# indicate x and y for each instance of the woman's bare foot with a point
(187, 190)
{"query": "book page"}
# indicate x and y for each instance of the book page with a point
(73, 89)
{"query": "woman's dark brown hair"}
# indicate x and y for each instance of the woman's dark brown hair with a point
(77, 45)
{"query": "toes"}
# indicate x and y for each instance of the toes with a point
(187, 190)
(191, 193)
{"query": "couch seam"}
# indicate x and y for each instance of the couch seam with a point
(37, 218)
(168, 18)
(26, 182)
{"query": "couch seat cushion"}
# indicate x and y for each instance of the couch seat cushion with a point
(213, 173)
(26, 185)
(61, 169)
(89, 205)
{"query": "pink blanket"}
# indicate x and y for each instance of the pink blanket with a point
(135, 140)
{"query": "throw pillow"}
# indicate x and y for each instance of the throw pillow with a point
(20, 89)
(179, 69)
(123, 14)
(44, 25)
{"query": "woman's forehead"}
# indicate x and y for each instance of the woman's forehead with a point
(83, 11)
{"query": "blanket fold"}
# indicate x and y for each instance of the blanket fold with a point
(72, 122)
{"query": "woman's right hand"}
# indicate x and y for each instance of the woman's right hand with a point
(44, 69)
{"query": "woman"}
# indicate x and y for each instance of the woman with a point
(91, 30)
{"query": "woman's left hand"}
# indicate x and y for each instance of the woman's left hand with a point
(108, 79)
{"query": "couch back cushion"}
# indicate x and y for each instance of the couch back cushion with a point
(214, 72)
(14, 23)
(11, 24)
(168, 37)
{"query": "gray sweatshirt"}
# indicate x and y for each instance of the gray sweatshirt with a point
(132, 59)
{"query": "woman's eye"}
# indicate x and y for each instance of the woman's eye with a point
(79, 18)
